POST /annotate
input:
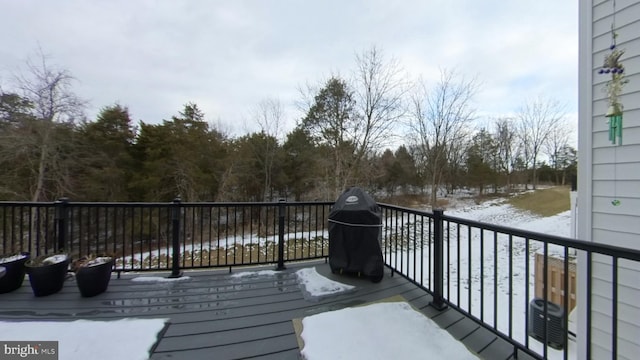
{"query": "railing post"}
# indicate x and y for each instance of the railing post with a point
(281, 213)
(61, 223)
(175, 238)
(438, 260)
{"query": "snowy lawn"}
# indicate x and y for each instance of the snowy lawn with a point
(83, 339)
(488, 272)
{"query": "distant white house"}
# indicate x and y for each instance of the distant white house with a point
(609, 176)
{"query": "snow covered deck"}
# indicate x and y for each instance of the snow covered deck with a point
(215, 314)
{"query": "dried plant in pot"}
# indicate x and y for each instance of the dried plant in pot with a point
(93, 274)
(47, 273)
(14, 271)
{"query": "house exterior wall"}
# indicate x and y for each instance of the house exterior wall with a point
(608, 172)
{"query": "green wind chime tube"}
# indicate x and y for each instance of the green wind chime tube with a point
(615, 129)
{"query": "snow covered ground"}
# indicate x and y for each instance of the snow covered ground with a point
(489, 266)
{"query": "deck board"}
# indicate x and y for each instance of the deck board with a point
(462, 328)
(499, 349)
(447, 318)
(479, 340)
(216, 315)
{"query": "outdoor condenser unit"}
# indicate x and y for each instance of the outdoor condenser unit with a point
(555, 323)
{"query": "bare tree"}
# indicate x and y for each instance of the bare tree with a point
(456, 156)
(49, 89)
(356, 119)
(269, 115)
(439, 122)
(505, 137)
(537, 120)
(553, 148)
(54, 109)
(380, 87)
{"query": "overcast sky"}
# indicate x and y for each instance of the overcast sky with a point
(227, 56)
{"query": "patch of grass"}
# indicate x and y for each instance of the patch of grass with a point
(479, 199)
(544, 202)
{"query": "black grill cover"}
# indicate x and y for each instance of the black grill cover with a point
(354, 234)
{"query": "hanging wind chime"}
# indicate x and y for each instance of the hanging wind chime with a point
(613, 88)
(613, 66)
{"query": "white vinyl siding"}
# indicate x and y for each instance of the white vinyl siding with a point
(610, 172)
(616, 169)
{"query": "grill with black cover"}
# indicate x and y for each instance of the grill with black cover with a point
(355, 236)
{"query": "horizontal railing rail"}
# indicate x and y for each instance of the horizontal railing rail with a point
(169, 236)
(504, 279)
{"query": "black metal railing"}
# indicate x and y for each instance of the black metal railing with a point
(500, 277)
(169, 236)
(507, 279)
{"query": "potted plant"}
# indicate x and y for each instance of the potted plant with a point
(14, 271)
(93, 274)
(47, 273)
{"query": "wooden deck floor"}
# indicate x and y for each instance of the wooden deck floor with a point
(216, 316)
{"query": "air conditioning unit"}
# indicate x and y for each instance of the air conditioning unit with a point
(554, 323)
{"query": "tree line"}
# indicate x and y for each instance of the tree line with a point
(375, 128)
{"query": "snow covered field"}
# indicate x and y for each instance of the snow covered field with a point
(489, 266)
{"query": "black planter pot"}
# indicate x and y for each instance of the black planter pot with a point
(47, 279)
(14, 274)
(94, 279)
